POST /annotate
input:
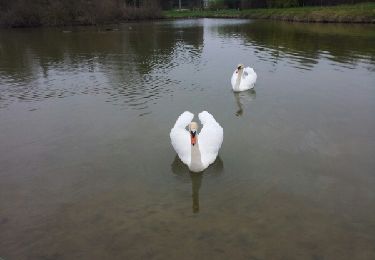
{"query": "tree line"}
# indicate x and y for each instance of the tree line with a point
(25, 13)
(291, 3)
(223, 4)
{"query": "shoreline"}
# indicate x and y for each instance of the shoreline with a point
(363, 13)
(104, 25)
(359, 13)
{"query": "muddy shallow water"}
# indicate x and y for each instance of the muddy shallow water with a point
(86, 166)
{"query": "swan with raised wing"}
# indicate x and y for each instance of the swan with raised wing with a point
(195, 150)
(243, 78)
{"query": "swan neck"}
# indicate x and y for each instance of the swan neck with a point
(196, 164)
(238, 80)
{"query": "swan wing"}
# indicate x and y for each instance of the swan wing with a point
(210, 138)
(249, 78)
(180, 137)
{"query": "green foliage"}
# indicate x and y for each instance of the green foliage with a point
(217, 4)
(25, 13)
(360, 13)
(243, 4)
(281, 3)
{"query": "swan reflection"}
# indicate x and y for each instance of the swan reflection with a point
(242, 99)
(180, 170)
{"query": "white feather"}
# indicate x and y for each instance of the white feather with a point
(180, 137)
(247, 80)
(210, 138)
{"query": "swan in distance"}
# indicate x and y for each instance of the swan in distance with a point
(243, 78)
(195, 150)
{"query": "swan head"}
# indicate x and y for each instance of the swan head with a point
(239, 67)
(193, 128)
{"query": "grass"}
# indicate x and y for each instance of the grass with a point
(359, 13)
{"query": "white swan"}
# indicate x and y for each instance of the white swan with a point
(243, 78)
(195, 150)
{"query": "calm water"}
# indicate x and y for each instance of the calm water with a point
(86, 166)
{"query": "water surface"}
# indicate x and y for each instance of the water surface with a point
(86, 166)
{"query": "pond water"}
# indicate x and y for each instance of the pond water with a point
(87, 170)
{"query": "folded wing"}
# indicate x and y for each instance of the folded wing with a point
(210, 138)
(180, 137)
(249, 77)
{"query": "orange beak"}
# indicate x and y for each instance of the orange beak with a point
(193, 138)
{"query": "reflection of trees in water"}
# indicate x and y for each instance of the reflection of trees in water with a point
(182, 171)
(129, 65)
(307, 42)
(158, 49)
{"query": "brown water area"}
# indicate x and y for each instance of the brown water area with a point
(87, 170)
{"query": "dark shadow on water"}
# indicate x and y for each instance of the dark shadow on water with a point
(183, 172)
(242, 98)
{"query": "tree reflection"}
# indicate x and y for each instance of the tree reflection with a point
(130, 62)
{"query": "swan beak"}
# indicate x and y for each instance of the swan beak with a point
(193, 137)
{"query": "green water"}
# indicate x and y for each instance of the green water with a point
(87, 170)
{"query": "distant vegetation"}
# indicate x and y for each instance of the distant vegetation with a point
(27, 13)
(358, 13)
(245, 4)
(30, 13)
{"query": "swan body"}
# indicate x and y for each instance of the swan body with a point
(195, 150)
(243, 78)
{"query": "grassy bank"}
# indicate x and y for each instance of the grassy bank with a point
(359, 13)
